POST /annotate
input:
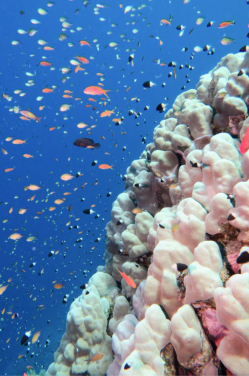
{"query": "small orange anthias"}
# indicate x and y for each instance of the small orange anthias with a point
(127, 279)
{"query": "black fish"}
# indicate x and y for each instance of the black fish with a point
(243, 49)
(243, 258)
(161, 107)
(25, 338)
(85, 142)
(148, 84)
(181, 267)
(88, 211)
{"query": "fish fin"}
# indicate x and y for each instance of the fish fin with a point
(105, 91)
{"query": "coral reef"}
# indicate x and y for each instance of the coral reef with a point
(180, 236)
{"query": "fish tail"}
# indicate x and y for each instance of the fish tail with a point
(105, 91)
(38, 119)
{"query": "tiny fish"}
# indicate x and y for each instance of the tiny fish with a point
(105, 167)
(225, 24)
(36, 336)
(59, 286)
(127, 279)
(95, 358)
(244, 146)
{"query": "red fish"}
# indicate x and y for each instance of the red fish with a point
(225, 24)
(95, 90)
(45, 63)
(244, 146)
(84, 43)
(127, 279)
(82, 59)
(105, 167)
(86, 143)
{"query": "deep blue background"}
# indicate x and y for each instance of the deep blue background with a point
(46, 146)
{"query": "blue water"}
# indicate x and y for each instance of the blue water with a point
(54, 153)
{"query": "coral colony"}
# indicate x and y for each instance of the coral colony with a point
(180, 232)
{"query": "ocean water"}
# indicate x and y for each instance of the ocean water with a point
(114, 32)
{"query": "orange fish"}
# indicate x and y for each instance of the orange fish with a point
(22, 211)
(32, 187)
(47, 90)
(47, 48)
(95, 358)
(15, 236)
(58, 201)
(105, 167)
(36, 336)
(84, 43)
(66, 177)
(165, 21)
(18, 142)
(78, 68)
(95, 90)
(2, 289)
(24, 118)
(127, 279)
(52, 128)
(4, 151)
(82, 59)
(137, 211)
(225, 24)
(176, 226)
(106, 113)
(9, 169)
(30, 115)
(59, 286)
(45, 63)
(28, 156)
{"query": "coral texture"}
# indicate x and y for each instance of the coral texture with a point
(180, 235)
